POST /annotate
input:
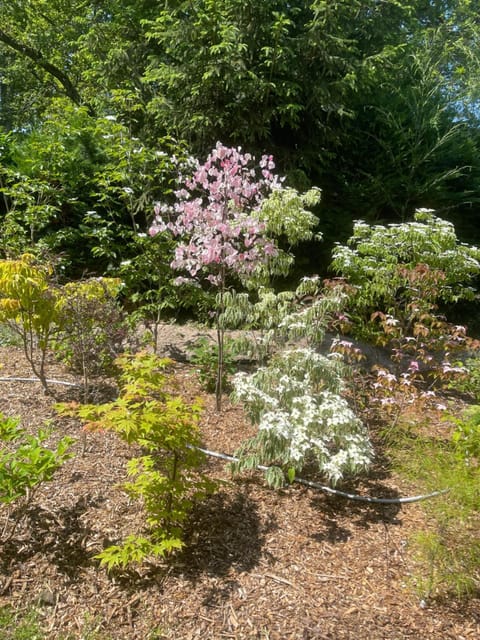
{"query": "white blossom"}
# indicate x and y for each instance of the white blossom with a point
(297, 398)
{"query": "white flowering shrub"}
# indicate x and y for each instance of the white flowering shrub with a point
(380, 260)
(397, 277)
(301, 417)
(295, 396)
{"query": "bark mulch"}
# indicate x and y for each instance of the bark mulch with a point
(258, 564)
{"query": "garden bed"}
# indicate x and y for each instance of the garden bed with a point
(258, 563)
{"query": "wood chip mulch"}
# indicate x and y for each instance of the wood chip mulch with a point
(258, 564)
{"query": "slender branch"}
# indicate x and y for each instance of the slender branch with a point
(220, 341)
(6, 203)
(37, 57)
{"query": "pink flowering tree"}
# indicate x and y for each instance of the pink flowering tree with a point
(222, 228)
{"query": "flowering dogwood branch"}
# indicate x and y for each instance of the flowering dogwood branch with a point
(216, 217)
(226, 224)
(296, 403)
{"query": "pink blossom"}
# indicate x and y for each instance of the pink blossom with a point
(389, 377)
(390, 321)
(342, 343)
(270, 249)
(428, 394)
(387, 401)
(181, 280)
(215, 215)
(214, 279)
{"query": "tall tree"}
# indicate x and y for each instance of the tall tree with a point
(92, 52)
(375, 101)
(271, 73)
(414, 135)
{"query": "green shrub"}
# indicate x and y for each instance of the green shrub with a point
(470, 382)
(25, 464)
(395, 265)
(466, 437)
(166, 477)
(8, 337)
(92, 327)
(301, 416)
(205, 359)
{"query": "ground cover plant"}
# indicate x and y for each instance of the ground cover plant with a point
(15, 627)
(448, 550)
(25, 463)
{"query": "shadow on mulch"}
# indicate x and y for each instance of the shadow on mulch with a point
(336, 511)
(177, 354)
(339, 515)
(223, 531)
(100, 391)
(58, 536)
(468, 609)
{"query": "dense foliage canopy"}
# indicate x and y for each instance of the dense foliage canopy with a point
(375, 102)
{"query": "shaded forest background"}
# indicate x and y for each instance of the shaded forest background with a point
(377, 102)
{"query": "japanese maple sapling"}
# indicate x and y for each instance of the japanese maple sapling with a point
(28, 306)
(166, 475)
